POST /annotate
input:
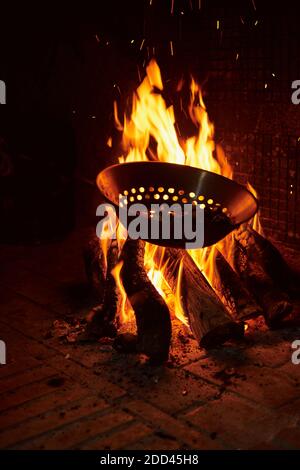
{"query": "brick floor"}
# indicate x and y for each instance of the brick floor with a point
(58, 395)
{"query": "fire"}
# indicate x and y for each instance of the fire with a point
(156, 276)
(125, 311)
(255, 223)
(151, 119)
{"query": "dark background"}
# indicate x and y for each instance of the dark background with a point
(65, 65)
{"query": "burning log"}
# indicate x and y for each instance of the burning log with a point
(205, 313)
(95, 267)
(230, 287)
(151, 312)
(259, 264)
(274, 263)
(101, 321)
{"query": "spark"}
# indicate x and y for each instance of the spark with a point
(256, 23)
(171, 47)
(266, 85)
(139, 75)
(97, 38)
(184, 112)
(178, 130)
(253, 3)
(117, 87)
(237, 56)
(132, 41)
(199, 4)
(172, 7)
(150, 2)
(218, 24)
(107, 43)
(142, 44)
(93, 117)
(273, 74)
(242, 20)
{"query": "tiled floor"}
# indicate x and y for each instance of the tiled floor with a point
(55, 395)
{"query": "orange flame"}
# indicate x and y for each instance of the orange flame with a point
(125, 312)
(150, 117)
(255, 222)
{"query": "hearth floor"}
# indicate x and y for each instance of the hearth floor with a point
(55, 395)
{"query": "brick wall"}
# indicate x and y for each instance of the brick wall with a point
(252, 60)
(272, 164)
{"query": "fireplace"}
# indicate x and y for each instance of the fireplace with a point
(214, 287)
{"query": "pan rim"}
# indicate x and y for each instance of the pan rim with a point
(168, 164)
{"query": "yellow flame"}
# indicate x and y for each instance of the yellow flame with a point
(255, 222)
(178, 307)
(125, 311)
(151, 118)
(156, 274)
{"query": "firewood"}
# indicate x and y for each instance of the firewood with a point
(206, 315)
(271, 258)
(151, 312)
(256, 262)
(232, 289)
(95, 267)
(102, 320)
